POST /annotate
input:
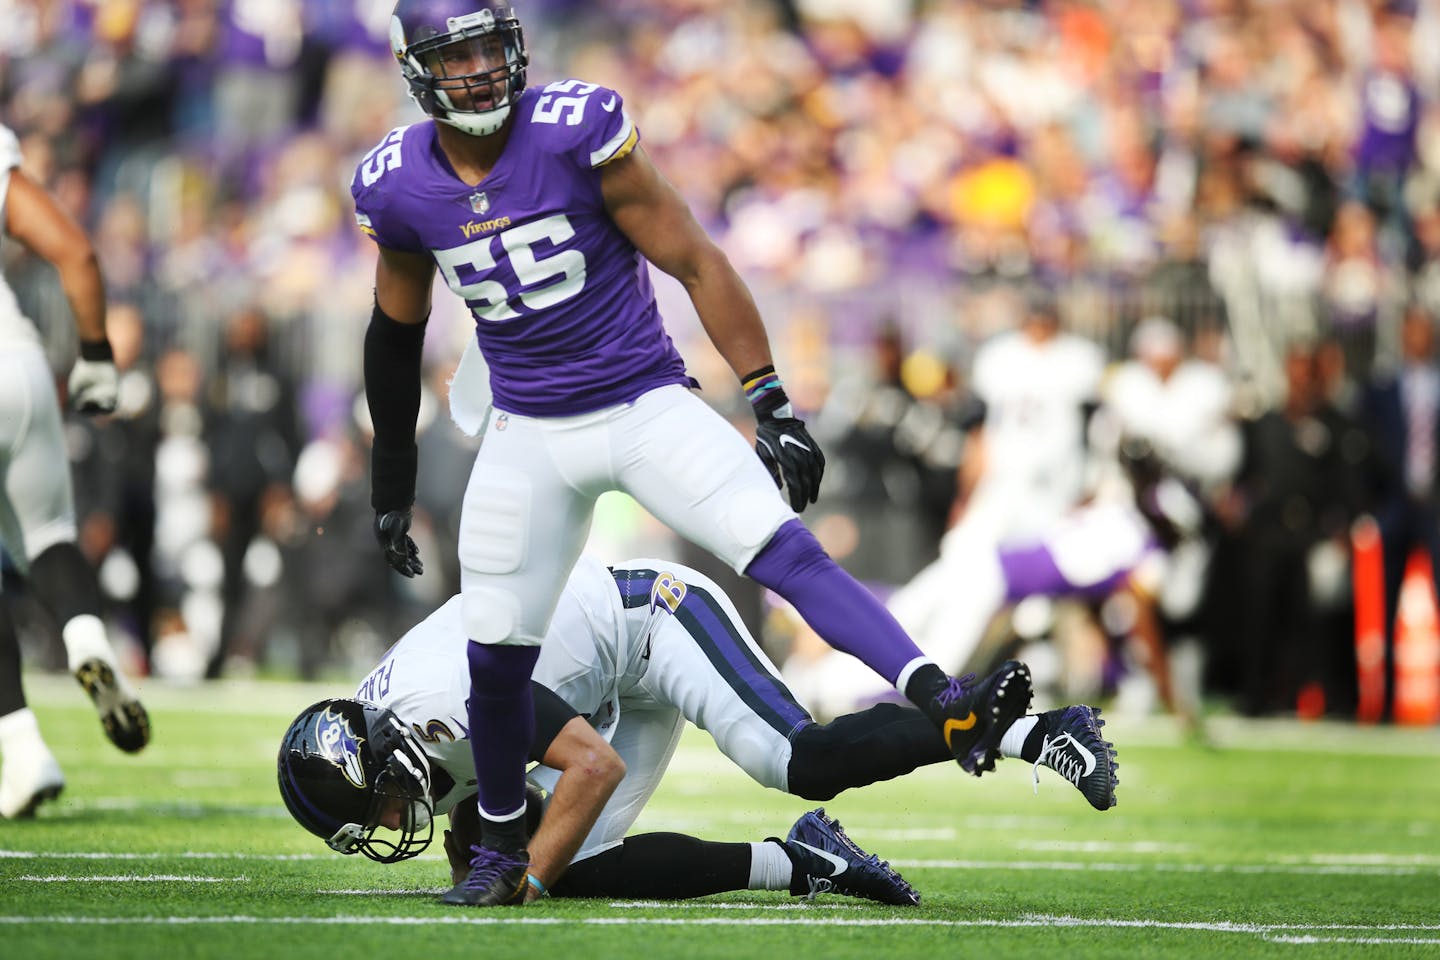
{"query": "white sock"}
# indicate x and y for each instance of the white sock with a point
(86, 639)
(770, 867)
(1014, 740)
(908, 671)
(18, 727)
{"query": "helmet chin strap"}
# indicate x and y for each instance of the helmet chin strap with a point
(476, 124)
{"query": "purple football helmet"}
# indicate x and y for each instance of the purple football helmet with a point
(463, 59)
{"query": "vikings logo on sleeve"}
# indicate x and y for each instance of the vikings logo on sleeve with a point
(340, 745)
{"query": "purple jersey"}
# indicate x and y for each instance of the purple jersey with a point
(564, 311)
(1392, 109)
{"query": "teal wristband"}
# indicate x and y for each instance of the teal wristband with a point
(535, 882)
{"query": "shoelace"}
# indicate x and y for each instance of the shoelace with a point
(1054, 755)
(818, 885)
(486, 867)
(955, 689)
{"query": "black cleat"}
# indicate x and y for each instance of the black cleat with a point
(125, 721)
(973, 717)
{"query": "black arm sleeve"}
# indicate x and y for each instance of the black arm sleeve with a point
(551, 714)
(392, 389)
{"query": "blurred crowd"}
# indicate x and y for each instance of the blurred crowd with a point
(1243, 191)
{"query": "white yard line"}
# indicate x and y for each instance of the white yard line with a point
(123, 878)
(429, 892)
(1290, 869)
(1348, 865)
(156, 855)
(1274, 933)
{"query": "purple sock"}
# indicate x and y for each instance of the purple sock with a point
(844, 613)
(502, 723)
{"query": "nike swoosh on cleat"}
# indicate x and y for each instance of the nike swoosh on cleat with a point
(609, 105)
(952, 725)
(1088, 757)
(786, 438)
(834, 861)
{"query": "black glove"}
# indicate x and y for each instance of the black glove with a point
(392, 529)
(792, 456)
(786, 448)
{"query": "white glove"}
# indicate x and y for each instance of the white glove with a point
(94, 386)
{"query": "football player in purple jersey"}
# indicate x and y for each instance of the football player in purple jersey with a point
(541, 210)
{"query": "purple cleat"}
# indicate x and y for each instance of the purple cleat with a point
(828, 861)
(1074, 748)
(496, 878)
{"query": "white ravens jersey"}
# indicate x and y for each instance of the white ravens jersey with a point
(1034, 428)
(15, 328)
(425, 677)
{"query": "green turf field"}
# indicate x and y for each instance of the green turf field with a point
(1284, 840)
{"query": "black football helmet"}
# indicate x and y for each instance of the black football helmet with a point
(443, 47)
(341, 765)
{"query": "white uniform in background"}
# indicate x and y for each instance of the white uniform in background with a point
(638, 649)
(1035, 395)
(37, 507)
(1186, 417)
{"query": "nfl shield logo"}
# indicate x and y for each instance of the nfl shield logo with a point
(479, 202)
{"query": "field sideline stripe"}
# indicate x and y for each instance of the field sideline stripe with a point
(1370, 941)
(1289, 869)
(125, 878)
(1300, 933)
(1363, 870)
(159, 855)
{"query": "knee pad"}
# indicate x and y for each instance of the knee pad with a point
(491, 615)
(752, 517)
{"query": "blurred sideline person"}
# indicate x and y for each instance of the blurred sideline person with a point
(1402, 415)
(541, 210)
(636, 650)
(1302, 482)
(37, 509)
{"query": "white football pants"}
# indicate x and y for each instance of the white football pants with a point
(37, 508)
(532, 492)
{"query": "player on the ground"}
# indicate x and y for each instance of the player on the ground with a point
(354, 775)
(541, 210)
(637, 650)
(37, 509)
